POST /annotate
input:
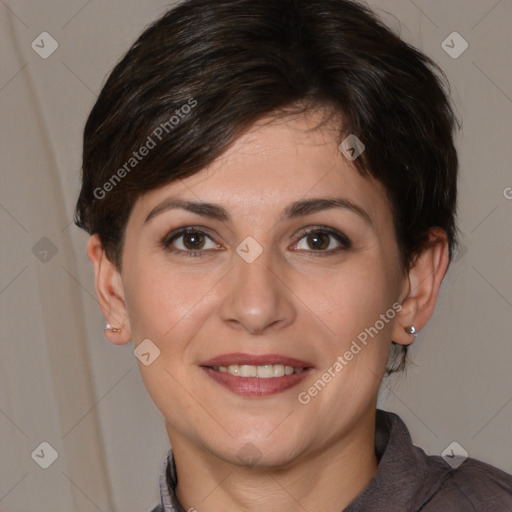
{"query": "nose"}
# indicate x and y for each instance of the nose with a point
(257, 298)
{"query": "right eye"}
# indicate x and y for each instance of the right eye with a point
(189, 242)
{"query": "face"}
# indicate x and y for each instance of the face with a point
(294, 259)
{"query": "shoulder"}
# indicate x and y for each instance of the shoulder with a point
(410, 480)
(473, 486)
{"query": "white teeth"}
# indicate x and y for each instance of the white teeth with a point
(232, 368)
(248, 371)
(266, 371)
(278, 370)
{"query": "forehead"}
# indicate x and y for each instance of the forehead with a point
(276, 162)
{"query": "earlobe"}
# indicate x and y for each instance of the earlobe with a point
(109, 288)
(405, 320)
(422, 288)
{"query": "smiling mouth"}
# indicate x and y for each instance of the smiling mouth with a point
(257, 375)
(266, 371)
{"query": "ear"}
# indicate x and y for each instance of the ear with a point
(421, 287)
(109, 288)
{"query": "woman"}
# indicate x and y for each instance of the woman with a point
(270, 189)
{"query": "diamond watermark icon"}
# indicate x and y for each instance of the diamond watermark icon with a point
(44, 250)
(146, 352)
(459, 252)
(44, 45)
(249, 454)
(351, 147)
(45, 455)
(454, 454)
(454, 45)
(249, 249)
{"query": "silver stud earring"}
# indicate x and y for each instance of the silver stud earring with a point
(115, 330)
(411, 330)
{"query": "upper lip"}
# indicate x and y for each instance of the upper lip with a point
(255, 360)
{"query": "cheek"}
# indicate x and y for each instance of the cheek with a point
(163, 302)
(353, 301)
(169, 307)
(356, 309)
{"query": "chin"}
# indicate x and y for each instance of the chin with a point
(259, 451)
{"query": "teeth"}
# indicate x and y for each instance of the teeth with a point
(266, 371)
(233, 369)
(248, 371)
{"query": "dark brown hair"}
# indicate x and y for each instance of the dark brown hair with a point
(207, 70)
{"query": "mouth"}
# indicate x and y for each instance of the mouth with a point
(265, 371)
(256, 376)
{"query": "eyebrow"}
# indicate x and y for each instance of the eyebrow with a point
(296, 209)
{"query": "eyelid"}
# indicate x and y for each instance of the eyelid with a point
(342, 239)
(176, 233)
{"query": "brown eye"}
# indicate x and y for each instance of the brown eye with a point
(318, 240)
(193, 240)
(190, 242)
(323, 241)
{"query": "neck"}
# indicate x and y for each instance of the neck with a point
(327, 479)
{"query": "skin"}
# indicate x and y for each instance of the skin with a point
(294, 299)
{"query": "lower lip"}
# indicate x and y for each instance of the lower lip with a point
(254, 386)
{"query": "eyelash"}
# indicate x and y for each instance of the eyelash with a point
(339, 237)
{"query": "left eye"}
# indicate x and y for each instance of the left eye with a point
(322, 241)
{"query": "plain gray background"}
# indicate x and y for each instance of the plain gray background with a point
(62, 383)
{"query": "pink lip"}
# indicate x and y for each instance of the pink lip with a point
(254, 386)
(255, 360)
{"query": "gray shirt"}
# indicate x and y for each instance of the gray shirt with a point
(407, 479)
